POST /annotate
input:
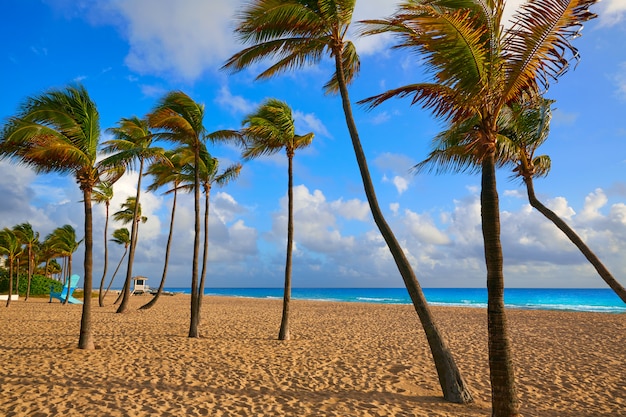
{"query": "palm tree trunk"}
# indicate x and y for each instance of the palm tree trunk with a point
(205, 250)
(115, 273)
(106, 258)
(283, 334)
(152, 302)
(86, 341)
(503, 392)
(576, 240)
(195, 319)
(69, 276)
(452, 383)
(30, 270)
(133, 243)
(10, 281)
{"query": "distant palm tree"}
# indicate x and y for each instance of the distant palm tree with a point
(166, 174)
(268, 130)
(59, 131)
(121, 237)
(103, 193)
(296, 33)
(478, 68)
(132, 145)
(30, 238)
(63, 239)
(10, 246)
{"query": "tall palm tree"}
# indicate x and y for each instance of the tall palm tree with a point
(479, 68)
(121, 237)
(59, 131)
(295, 33)
(132, 145)
(164, 174)
(266, 131)
(103, 193)
(63, 239)
(210, 175)
(181, 121)
(30, 238)
(10, 246)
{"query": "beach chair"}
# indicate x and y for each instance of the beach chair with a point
(71, 283)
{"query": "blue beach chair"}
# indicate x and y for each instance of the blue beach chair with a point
(71, 283)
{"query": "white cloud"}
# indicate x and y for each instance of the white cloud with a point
(306, 122)
(593, 203)
(234, 104)
(611, 12)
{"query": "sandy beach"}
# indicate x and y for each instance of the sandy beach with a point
(344, 359)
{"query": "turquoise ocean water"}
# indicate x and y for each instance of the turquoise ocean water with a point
(593, 300)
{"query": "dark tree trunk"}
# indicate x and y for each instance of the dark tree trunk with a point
(86, 341)
(10, 281)
(452, 384)
(205, 250)
(106, 258)
(283, 334)
(503, 392)
(30, 269)
(152, 302)
(68, 280)
(576, 240)
(133, 243)
(194, 321)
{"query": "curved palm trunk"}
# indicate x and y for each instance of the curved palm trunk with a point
(115, 273)
(152, 302)
(10, 281)
(195, 319)
(283, 334)
(576, 240)
(133, 243)
(30, 269)
(86, 341)
(452, 383)
(106, 258)
(205, 250)
(69, 274)
(503, 392)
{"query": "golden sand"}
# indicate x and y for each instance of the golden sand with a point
(344, 359)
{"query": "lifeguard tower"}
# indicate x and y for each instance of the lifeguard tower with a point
(140, 285)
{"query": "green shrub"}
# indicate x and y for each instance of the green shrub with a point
(39, 285)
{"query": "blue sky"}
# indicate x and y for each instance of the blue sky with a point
(129, 53)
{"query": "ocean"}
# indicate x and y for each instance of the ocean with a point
(591, 300)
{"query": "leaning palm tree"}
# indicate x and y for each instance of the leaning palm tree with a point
(164, 174)
(103, 193)
(479, 68)
(266, 131)
(121, 237)
(30, 238)
(132, 145)
(295, 33)
(529, 128)
(10, 246)
(59, 131)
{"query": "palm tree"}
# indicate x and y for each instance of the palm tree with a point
(30, 238)
(267, 131)
(300, 32)
(529, 128)
(63, 239)
(121, 237)
(10, 246)
(479, 68)
(181, 121)
(165, 174)
(210, 175)
(59, 131)
(103, 193)
(132, 144)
